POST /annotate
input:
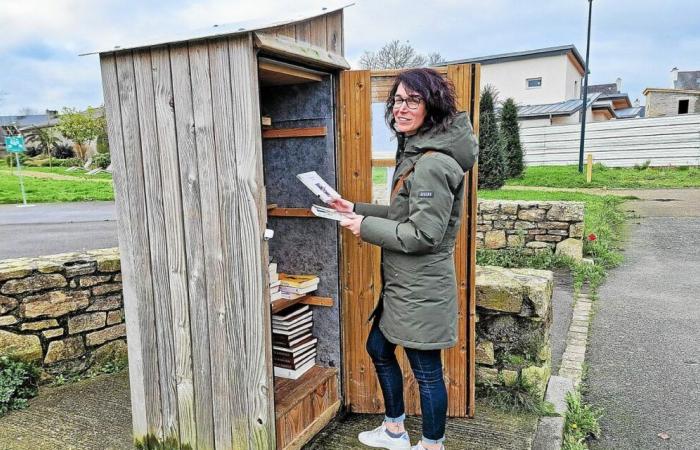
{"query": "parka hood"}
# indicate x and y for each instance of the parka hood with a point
(457, 141)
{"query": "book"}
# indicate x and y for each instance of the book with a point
(290, 341)
(293, 358)
(291, 312)
(272, 267)
(274, 278)
(318, 186)
(295, 364)
(302, 326)
(294, 374)
(299, 281)
(296, 350)
(327, 213)
(274, 296)
(287, 323)
(290, 296)
(274, 289)
(296, 290)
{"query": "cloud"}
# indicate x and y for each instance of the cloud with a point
(638, 40)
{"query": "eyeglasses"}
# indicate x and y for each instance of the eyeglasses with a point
(412, 101)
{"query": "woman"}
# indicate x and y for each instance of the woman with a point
(417, 230)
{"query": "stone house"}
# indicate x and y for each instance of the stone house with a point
(683, 97)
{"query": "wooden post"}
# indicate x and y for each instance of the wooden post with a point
(589, 168)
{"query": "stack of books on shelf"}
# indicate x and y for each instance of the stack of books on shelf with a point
(275, 292)
(293, 345)
(295, 286)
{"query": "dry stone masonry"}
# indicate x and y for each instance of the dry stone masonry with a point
(514, 315)
(536, 226)
(63, 312)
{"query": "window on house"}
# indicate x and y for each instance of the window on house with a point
(534, 83)
(683, 106)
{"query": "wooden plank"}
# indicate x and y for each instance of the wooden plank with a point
(143, 71)
(278, 133)
(277, 74)
(334, 32)
(303, 32)
(317, 301)
(315, 427)
(234, 301)
(472, 212)
(456, 369)
(358, 269)
(290, 392)
(299, 51)
(383, 162)
(142, 397)
(253, 272)
(290, 212)
(194, 243)
(317, 31)
(285, 30)
(139, 238)
(174, 232)
(207, 174)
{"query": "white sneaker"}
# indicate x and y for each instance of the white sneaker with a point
(378, 438)
(418, 446)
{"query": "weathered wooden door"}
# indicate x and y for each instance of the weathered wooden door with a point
(360, 279)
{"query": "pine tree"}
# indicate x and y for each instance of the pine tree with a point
(510, 133)
(492, 164)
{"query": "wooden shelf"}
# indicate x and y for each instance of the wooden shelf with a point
(281, 304)
(277, 133)
(289, 212)
(273, 73)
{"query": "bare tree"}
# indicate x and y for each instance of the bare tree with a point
(397, 55)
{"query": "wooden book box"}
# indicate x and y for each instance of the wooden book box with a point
(198, 179)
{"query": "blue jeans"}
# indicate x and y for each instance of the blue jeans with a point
(427, 369)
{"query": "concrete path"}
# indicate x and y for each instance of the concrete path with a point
(89, 415)
(644, 352)
(49, 228)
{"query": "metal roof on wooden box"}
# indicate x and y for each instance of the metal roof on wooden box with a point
(229, 29)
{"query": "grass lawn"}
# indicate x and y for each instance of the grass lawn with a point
(62, 171)
(43, 190)
(608, 177)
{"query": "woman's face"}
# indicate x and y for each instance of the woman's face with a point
(409, 110)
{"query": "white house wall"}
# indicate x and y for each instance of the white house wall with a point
(509, 78)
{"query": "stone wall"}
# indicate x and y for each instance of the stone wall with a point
(661, 104)
(64, 312)
(538, 226)
(514, 315)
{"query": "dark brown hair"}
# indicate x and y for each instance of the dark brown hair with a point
(437, 92)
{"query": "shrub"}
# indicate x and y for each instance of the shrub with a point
(492, 162)
(102, 143)
(510, 133)
(521, 397)
(101, 160)
(18, 383)
(33, 151)
(62, 151)
(581, 422)
(10, 160)
(70, 162)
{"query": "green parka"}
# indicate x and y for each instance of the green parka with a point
(417, 233)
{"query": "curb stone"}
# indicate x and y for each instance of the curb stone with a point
(550, 430)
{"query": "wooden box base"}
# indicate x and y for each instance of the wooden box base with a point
(304, 406)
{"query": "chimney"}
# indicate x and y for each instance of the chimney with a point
(674, 77)
(618, 82)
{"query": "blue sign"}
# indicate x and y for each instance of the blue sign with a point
(14, 144)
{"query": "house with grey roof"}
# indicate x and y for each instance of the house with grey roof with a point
(544, 82)
(683, 96)
(613, 103)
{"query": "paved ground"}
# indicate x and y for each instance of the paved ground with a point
(562, 308)
(49, 228)
(644, 354)
(88, 415)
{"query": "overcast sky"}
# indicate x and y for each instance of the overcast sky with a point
(637, 40)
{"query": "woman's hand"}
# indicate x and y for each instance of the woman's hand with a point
(341, 205)
(352, 222)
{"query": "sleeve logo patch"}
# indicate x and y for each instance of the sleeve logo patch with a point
(425, 194)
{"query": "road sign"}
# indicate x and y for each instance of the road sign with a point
(14, 144)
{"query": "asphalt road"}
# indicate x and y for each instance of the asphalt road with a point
(644, 352)
(46, 229)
